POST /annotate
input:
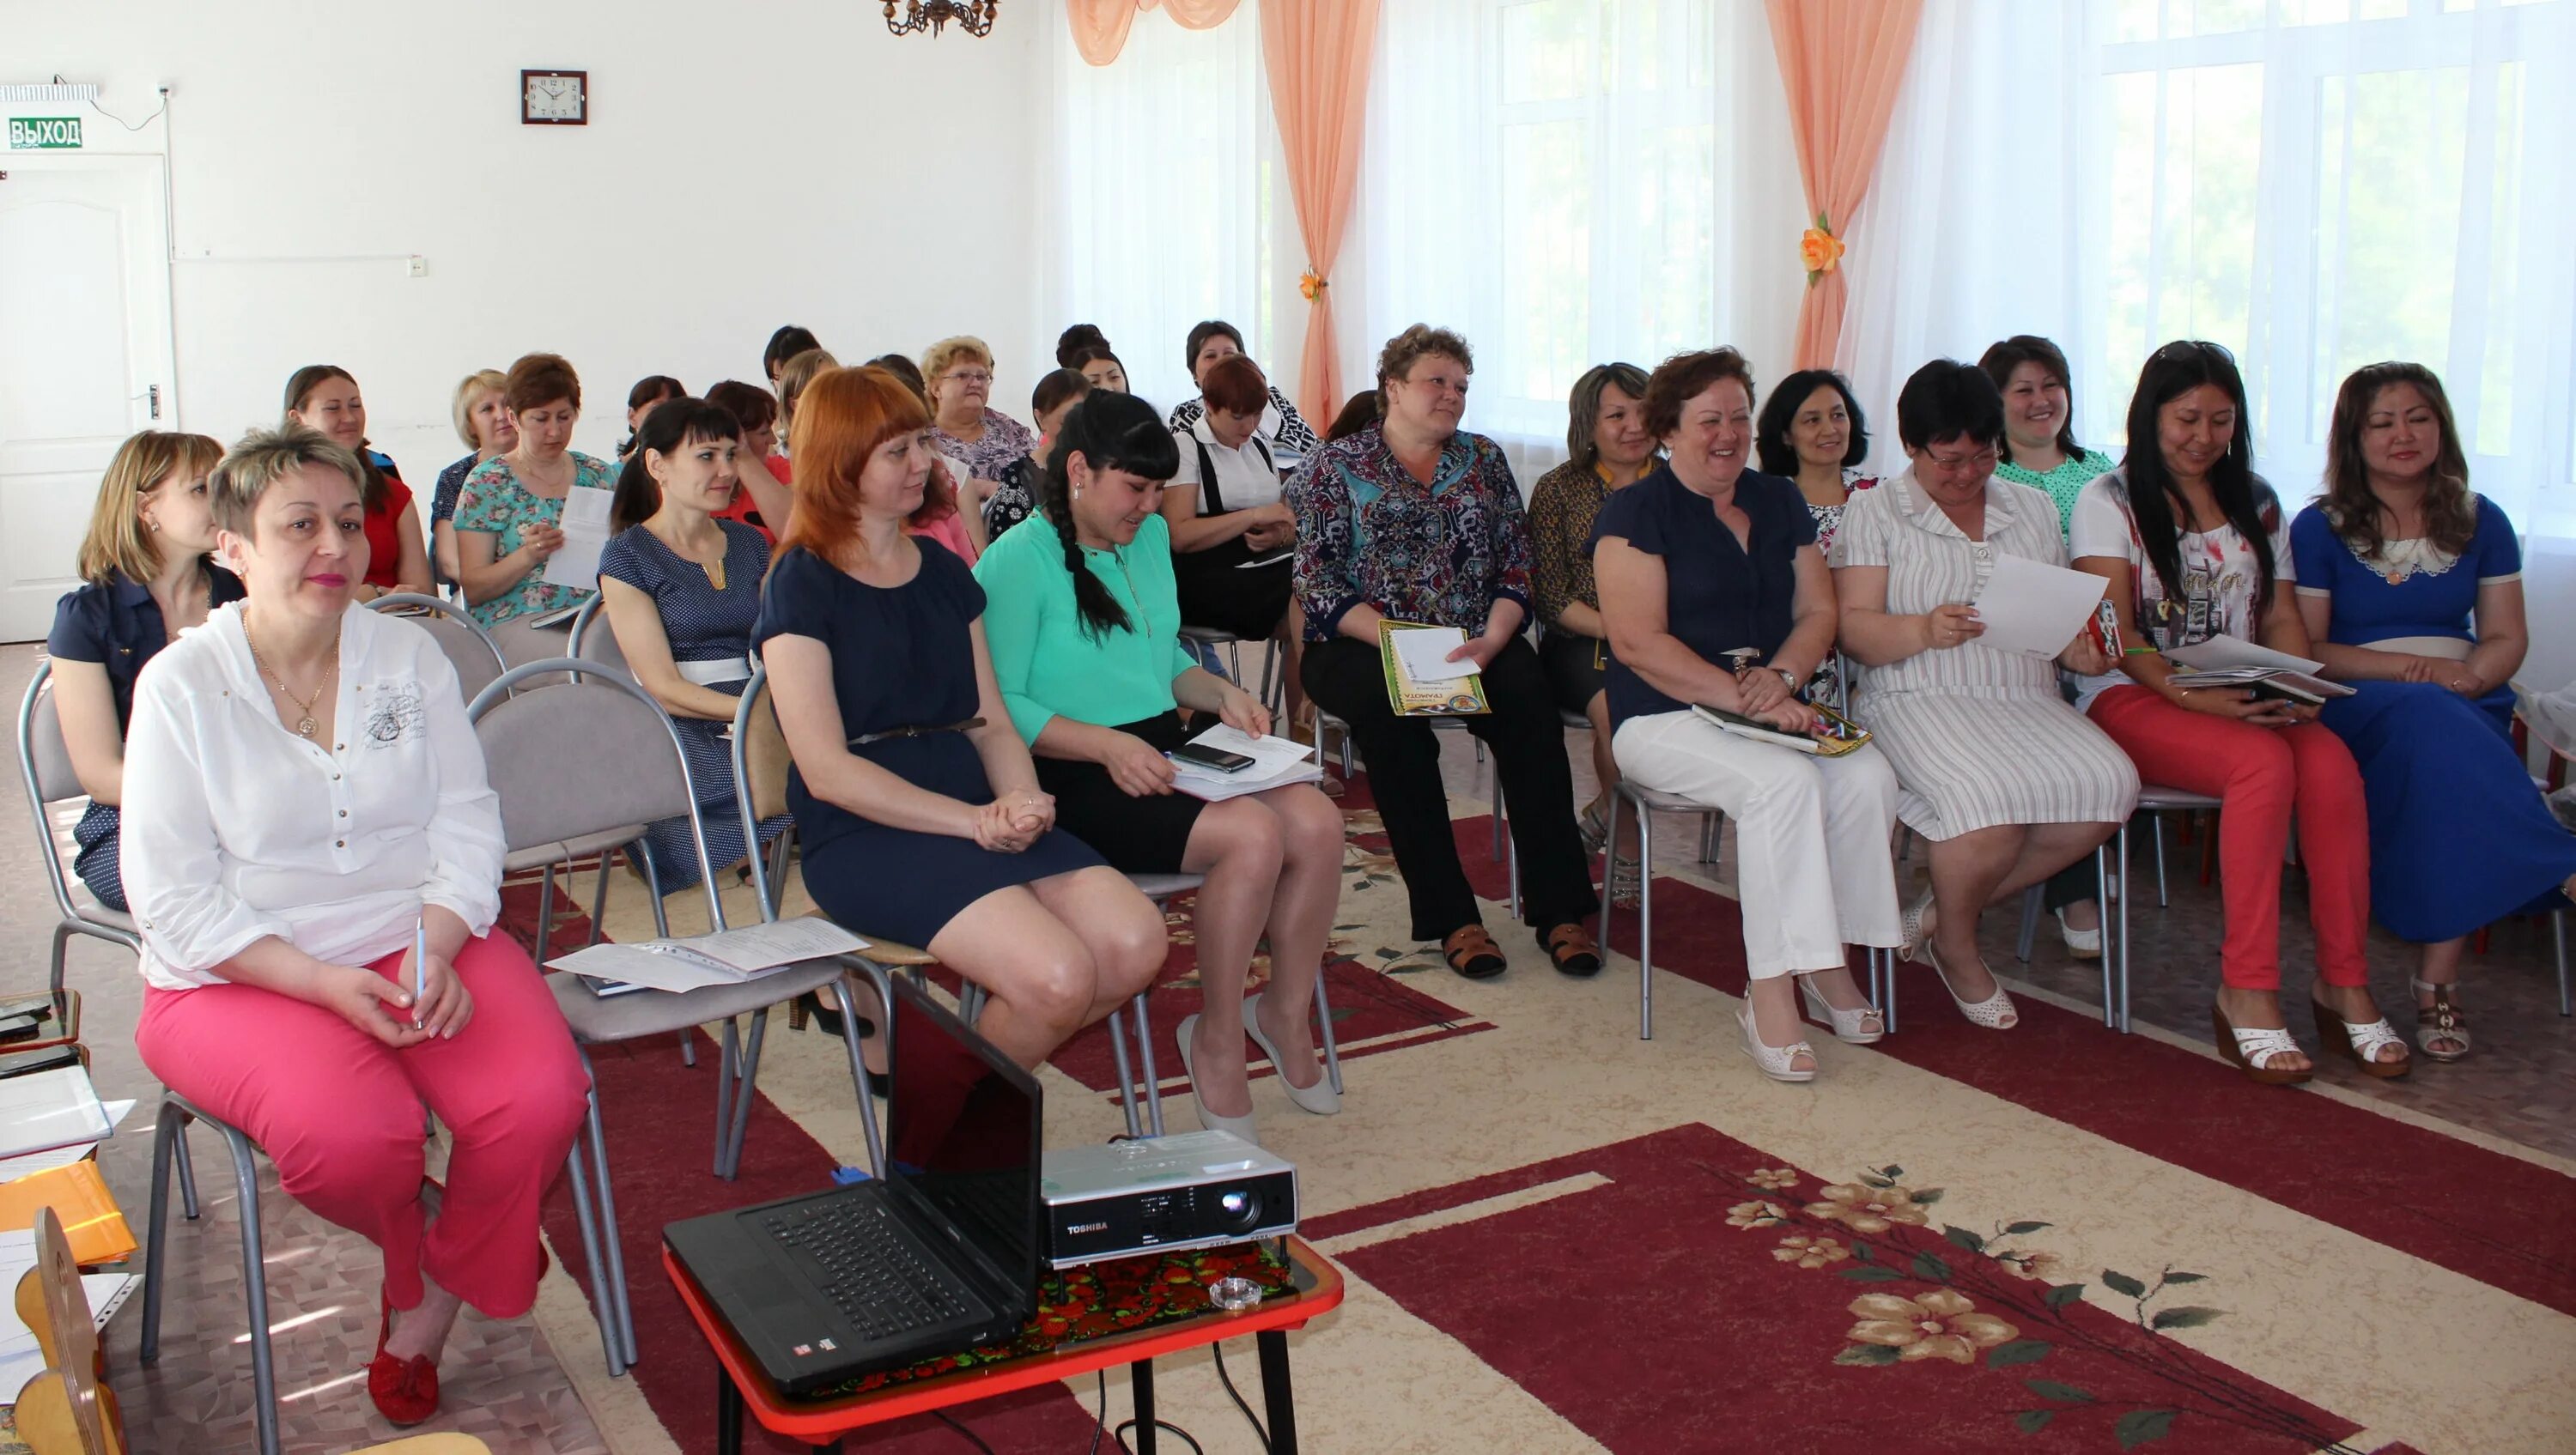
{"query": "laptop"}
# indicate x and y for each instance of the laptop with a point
(938, 1257)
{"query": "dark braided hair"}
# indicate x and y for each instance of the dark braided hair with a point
(1111, 431)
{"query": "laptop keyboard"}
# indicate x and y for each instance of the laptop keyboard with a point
(860, 1258)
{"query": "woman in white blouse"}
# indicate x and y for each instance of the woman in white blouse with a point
(1232, 534)
(2006, 782)
(314, 860)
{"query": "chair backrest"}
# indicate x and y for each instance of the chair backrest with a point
(45, 767)
(760, 765)
(584, 758)
(469, 648)
(61, 1411)
(594, 636)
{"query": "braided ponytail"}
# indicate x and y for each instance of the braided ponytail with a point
(1112, 431)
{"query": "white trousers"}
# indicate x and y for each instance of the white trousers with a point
(1812, 869)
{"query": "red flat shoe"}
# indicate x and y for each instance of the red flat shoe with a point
(405, 1390)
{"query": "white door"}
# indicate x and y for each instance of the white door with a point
(84, 357)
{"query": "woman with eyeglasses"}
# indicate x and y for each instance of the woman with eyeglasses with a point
(2196, 546)
(2006, 782)
(2411, 584)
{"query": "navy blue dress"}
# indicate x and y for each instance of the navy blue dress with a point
(117, 625)
(702, 624)
(2459, 837)
(901, 657)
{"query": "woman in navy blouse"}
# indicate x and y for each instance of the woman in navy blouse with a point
(2411, 586)
(147, 579)
(1415, 520)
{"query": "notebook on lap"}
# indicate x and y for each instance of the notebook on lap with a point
(940, 1256)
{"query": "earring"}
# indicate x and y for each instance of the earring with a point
(154, 526)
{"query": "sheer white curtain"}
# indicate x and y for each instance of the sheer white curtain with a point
(1547, 177)
(1157, 213)
(1971, 230)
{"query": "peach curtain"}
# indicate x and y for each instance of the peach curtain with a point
(1842, 61)
(1100, 26)
(1318, 54)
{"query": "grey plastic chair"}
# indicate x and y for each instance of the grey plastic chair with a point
(594, 637)
(1274, 683)
(630, 769)
(469, 648)
(45, 767)
(170, 1144)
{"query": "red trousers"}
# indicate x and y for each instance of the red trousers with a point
(339, 1112)
(2261, 776)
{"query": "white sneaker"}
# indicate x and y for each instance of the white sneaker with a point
(2082, 944)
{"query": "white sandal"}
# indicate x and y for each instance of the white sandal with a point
(1995, 1012)
(1776, 1062)
(2362, 1041)
(2254, 1051)
(1910, 928)
(1862, 1027)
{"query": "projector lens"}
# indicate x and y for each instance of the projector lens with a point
(1238, 1210)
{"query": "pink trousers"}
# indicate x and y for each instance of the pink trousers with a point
(2260, 776)
(339, 1112)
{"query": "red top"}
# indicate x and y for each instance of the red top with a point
(384, 541)
(747, 511)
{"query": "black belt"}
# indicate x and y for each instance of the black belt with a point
(890, 734)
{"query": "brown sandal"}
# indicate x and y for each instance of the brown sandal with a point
(1570, 948)
(1472, 953)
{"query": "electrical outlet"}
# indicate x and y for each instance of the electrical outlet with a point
(416, 266)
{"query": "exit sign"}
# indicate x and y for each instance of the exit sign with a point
(44, 133)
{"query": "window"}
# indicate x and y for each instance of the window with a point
(1159, 178)
(1544, 176)
(2320, 184)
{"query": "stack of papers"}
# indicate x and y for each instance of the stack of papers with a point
(2225, 661)
(1276, 763)
(696, 963)
(51, 1110)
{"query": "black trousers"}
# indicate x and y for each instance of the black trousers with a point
(1527, 739)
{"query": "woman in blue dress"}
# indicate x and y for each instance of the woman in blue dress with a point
(2411, 585)
(682, 591)
(914, 796)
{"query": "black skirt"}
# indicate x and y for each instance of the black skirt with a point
(1147, 835)
(1249, 602)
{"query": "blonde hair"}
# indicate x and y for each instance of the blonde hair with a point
(263, 457)
(793, 378)
(936, 359)
(117, 540)
(469, 392)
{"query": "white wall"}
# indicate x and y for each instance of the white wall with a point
(744, 168)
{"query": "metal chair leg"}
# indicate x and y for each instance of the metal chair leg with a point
(599, 897)
(603, 1304)
(2030, 904)
(1145, 1055)
(2558, 933)
(1645, 924)
(2120, 975)
(606, 1194)
(1324, 1020)
(187, 1174)
(156, 1243)
(263, 1360)
(2163, 899)
(859, 1070)
(62, 938)
(729, 1153)
(545, 912)
(728, 1063)
(1126, 1075)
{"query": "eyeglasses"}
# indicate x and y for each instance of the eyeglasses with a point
(1983, 461)
(969, 376)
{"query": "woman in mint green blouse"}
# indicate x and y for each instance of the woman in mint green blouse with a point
(1083, 621)
(2040, 451)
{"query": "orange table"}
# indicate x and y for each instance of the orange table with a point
(741, 1385)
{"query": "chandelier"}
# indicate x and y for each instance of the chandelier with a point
(975, 17)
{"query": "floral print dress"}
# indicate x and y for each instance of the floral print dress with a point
(493, 501)
(1825, 688)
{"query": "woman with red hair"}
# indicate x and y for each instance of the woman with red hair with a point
(919, 808)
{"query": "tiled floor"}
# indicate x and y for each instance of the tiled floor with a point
(507, 1387)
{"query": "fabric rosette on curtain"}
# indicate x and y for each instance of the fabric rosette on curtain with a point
(1318, 54)
(1842, 61)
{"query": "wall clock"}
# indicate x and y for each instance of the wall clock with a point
(554, 98)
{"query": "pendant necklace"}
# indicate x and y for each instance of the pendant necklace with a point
(305, 726)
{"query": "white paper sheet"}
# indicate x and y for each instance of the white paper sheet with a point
(1276, 763)
(731, 958)
(1423, 653)
(2035, 609)
(50, 1109)
(2226, 651)
(585, 531)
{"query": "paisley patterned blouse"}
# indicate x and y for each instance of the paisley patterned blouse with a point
(1441, 554)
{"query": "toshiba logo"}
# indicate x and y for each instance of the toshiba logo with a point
(1080, 1228)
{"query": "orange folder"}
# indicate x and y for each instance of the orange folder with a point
(78, 1196)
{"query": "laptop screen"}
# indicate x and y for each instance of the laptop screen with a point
(963, 1131)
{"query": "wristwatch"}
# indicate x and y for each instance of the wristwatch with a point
(1789, 677)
